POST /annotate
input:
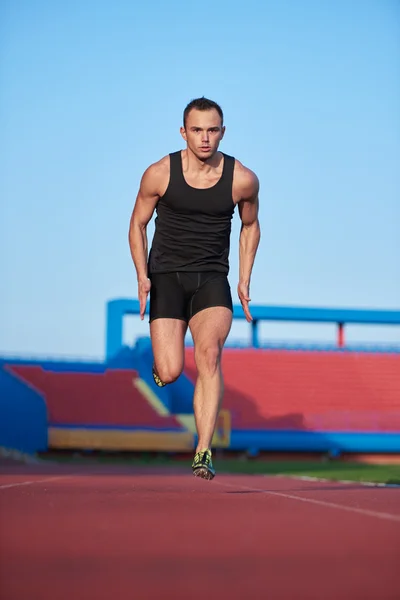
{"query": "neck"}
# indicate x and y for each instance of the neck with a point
(195, 164)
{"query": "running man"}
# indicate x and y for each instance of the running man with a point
(194, 193)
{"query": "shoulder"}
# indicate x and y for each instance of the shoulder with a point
(157, 170)
(156, 176)
(245, 182)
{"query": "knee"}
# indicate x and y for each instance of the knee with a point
(208, 359)
(168, 373)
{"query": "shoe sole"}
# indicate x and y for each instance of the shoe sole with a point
(159, 383)
(203, 473)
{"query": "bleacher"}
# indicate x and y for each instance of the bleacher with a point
(297, 399)
(315, 390)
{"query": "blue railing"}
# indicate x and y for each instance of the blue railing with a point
(118, 308)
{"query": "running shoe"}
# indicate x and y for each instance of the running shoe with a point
(202, 465)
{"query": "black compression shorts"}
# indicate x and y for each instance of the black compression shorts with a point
(181, 295)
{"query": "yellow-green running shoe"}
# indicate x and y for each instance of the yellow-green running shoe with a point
(202, 465)
(157, 379)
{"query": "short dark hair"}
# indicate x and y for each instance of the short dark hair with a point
(202, 104)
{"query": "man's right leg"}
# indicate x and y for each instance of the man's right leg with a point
(168, 340)
(168, 326)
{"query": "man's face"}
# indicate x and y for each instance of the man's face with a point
(203, 132)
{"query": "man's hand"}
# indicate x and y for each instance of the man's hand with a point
(143, 291)
(243, 293)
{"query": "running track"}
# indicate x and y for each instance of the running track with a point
(92, 533)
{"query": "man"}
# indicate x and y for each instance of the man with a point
(194, 192)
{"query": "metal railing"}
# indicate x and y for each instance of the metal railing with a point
(118, 308)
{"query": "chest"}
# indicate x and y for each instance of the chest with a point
(202, 181)
(215, 201)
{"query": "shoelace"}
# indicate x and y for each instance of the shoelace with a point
(203, 457)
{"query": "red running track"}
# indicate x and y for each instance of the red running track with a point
(116, 534)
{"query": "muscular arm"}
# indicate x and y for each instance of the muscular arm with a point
(142, 213)
(146, 201)
(249, 235)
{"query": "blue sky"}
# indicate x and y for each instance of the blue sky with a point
(92, 92)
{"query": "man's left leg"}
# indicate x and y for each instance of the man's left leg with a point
(210, 328)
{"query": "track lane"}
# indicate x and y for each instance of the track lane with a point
(107, 533)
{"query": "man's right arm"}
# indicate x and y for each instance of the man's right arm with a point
(146, 201)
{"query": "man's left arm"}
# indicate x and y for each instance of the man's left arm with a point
(250, 234)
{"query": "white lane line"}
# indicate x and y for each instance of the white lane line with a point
(360, 511)
(346, 481)
(21, 483)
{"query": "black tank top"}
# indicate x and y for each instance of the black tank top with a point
(193, 226)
